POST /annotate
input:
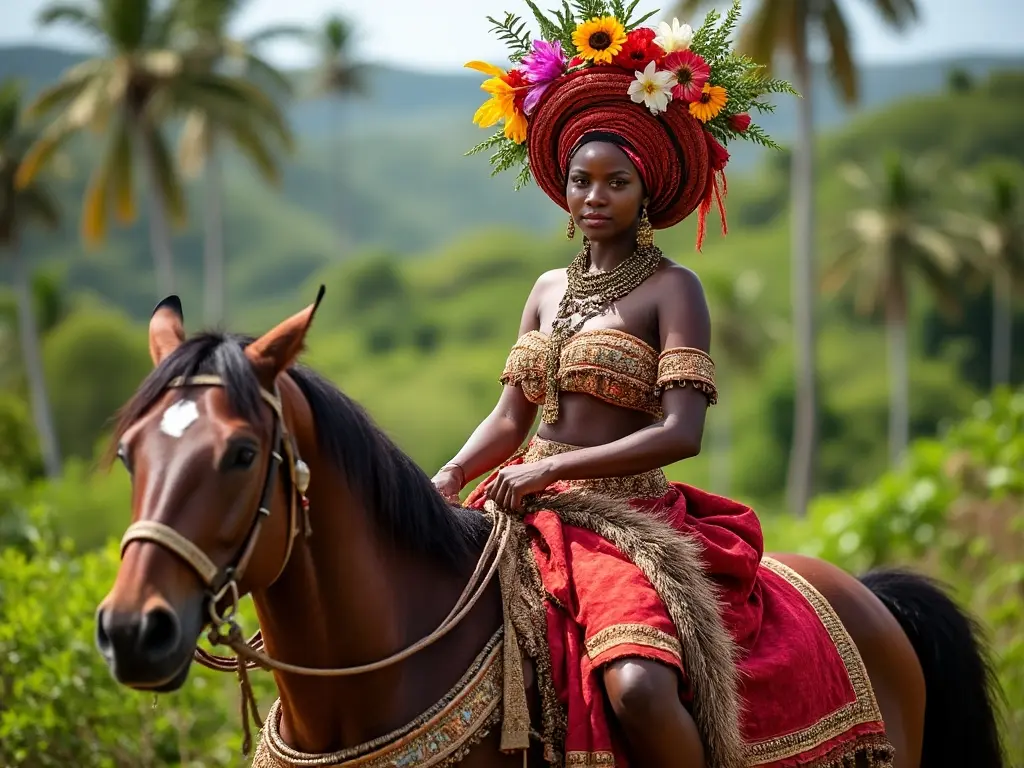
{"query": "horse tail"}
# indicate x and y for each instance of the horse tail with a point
(961, 722)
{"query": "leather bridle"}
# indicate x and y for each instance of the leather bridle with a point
(221, 582)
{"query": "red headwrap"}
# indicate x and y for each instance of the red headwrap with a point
(677, 159)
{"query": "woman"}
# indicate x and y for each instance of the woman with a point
(615, 352)
(631, 410)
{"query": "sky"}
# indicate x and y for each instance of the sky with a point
(441, 35)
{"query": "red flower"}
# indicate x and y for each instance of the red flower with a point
(575, 61)
(639, 50)
(740, 122)
(517, 79)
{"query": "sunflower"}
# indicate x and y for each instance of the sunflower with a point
(599, 39)
(712, 101)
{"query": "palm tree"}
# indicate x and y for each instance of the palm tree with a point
(787, 26)
(742, 335)
(338, 75)
(999, 233)
(898, 237)
(140, 83)
(254, 125)
(20, 208)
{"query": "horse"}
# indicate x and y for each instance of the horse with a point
(254, 475)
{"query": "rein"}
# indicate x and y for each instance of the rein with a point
(222, 583)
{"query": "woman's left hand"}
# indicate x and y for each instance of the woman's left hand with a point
(516, 481)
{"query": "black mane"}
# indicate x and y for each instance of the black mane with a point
(398, 494)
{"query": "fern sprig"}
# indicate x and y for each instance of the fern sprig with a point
(513, 32)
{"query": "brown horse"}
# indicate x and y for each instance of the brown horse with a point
(222, 440)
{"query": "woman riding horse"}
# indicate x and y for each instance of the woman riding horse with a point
(394, 621)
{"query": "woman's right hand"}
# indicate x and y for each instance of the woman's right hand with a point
(449, 481)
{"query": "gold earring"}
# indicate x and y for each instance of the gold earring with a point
(644, 231)
(570, 229)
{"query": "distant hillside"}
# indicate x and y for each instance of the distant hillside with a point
(384, 172)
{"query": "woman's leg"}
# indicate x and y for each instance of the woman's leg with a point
(660, 732)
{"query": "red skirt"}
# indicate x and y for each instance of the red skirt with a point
(802, 691)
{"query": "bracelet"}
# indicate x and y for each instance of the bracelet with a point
(453, 465)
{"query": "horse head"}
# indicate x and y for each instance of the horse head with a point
(216, 491)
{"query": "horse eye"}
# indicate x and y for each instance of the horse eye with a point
(122, 454)
(244, 457)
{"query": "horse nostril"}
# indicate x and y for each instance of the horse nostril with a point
(160, 633)
(102, 635)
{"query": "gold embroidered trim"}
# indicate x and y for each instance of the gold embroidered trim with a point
(647, 485)
(586, 759)
(524, 366)
(609, 364)
(439, 738)
(679, 366)
(864, 708)
(632, 634)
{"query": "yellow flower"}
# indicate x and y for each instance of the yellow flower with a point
(599, 39)
(712, 101)
(501, 105)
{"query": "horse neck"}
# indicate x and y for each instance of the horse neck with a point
(347, 598)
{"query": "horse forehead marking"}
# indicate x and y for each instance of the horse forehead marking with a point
(179, 417)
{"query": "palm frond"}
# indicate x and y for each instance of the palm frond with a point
(165, 175)
(73, 15)
(840, 44)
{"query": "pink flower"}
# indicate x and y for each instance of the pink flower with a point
(545, 64)
(691, 71)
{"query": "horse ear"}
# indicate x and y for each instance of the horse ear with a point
(166, 328)
(277, 349)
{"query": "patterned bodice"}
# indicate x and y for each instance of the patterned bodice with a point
(613, 366)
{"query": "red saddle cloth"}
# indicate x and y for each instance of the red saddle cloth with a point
(803, 691)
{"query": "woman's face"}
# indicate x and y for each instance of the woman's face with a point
(604, 191)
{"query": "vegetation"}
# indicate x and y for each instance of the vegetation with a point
(788, 28)
(421, 310)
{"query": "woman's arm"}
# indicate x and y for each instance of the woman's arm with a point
(505, 428)
(683, 321)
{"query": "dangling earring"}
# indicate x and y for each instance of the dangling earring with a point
(644, 231)
(570, 229)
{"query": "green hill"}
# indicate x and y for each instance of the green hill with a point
(384, 172)
(419, 332)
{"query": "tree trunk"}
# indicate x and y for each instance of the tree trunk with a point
(899, 378)
(801, 463)
(214, 293)
(1002, 327)
(28, 338)
(159, 231)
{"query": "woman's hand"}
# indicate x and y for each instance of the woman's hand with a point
(449, 481)
(519, 480)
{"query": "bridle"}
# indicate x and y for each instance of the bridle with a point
(222, 582)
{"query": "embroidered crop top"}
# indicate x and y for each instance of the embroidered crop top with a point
(611, 365)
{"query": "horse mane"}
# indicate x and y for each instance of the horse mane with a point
(399, 496)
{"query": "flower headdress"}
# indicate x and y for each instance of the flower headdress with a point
(669, 70)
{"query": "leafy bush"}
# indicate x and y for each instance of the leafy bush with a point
(955, 508)
(59, 705)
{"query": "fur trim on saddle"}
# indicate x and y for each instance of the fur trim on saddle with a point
(673, 564)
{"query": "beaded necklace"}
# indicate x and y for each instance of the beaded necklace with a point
(588, 295)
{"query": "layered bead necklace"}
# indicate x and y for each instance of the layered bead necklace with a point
(588, 295)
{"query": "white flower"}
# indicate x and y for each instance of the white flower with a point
(652, 88)
(676, 37)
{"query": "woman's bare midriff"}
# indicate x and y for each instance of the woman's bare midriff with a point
(585, 421)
